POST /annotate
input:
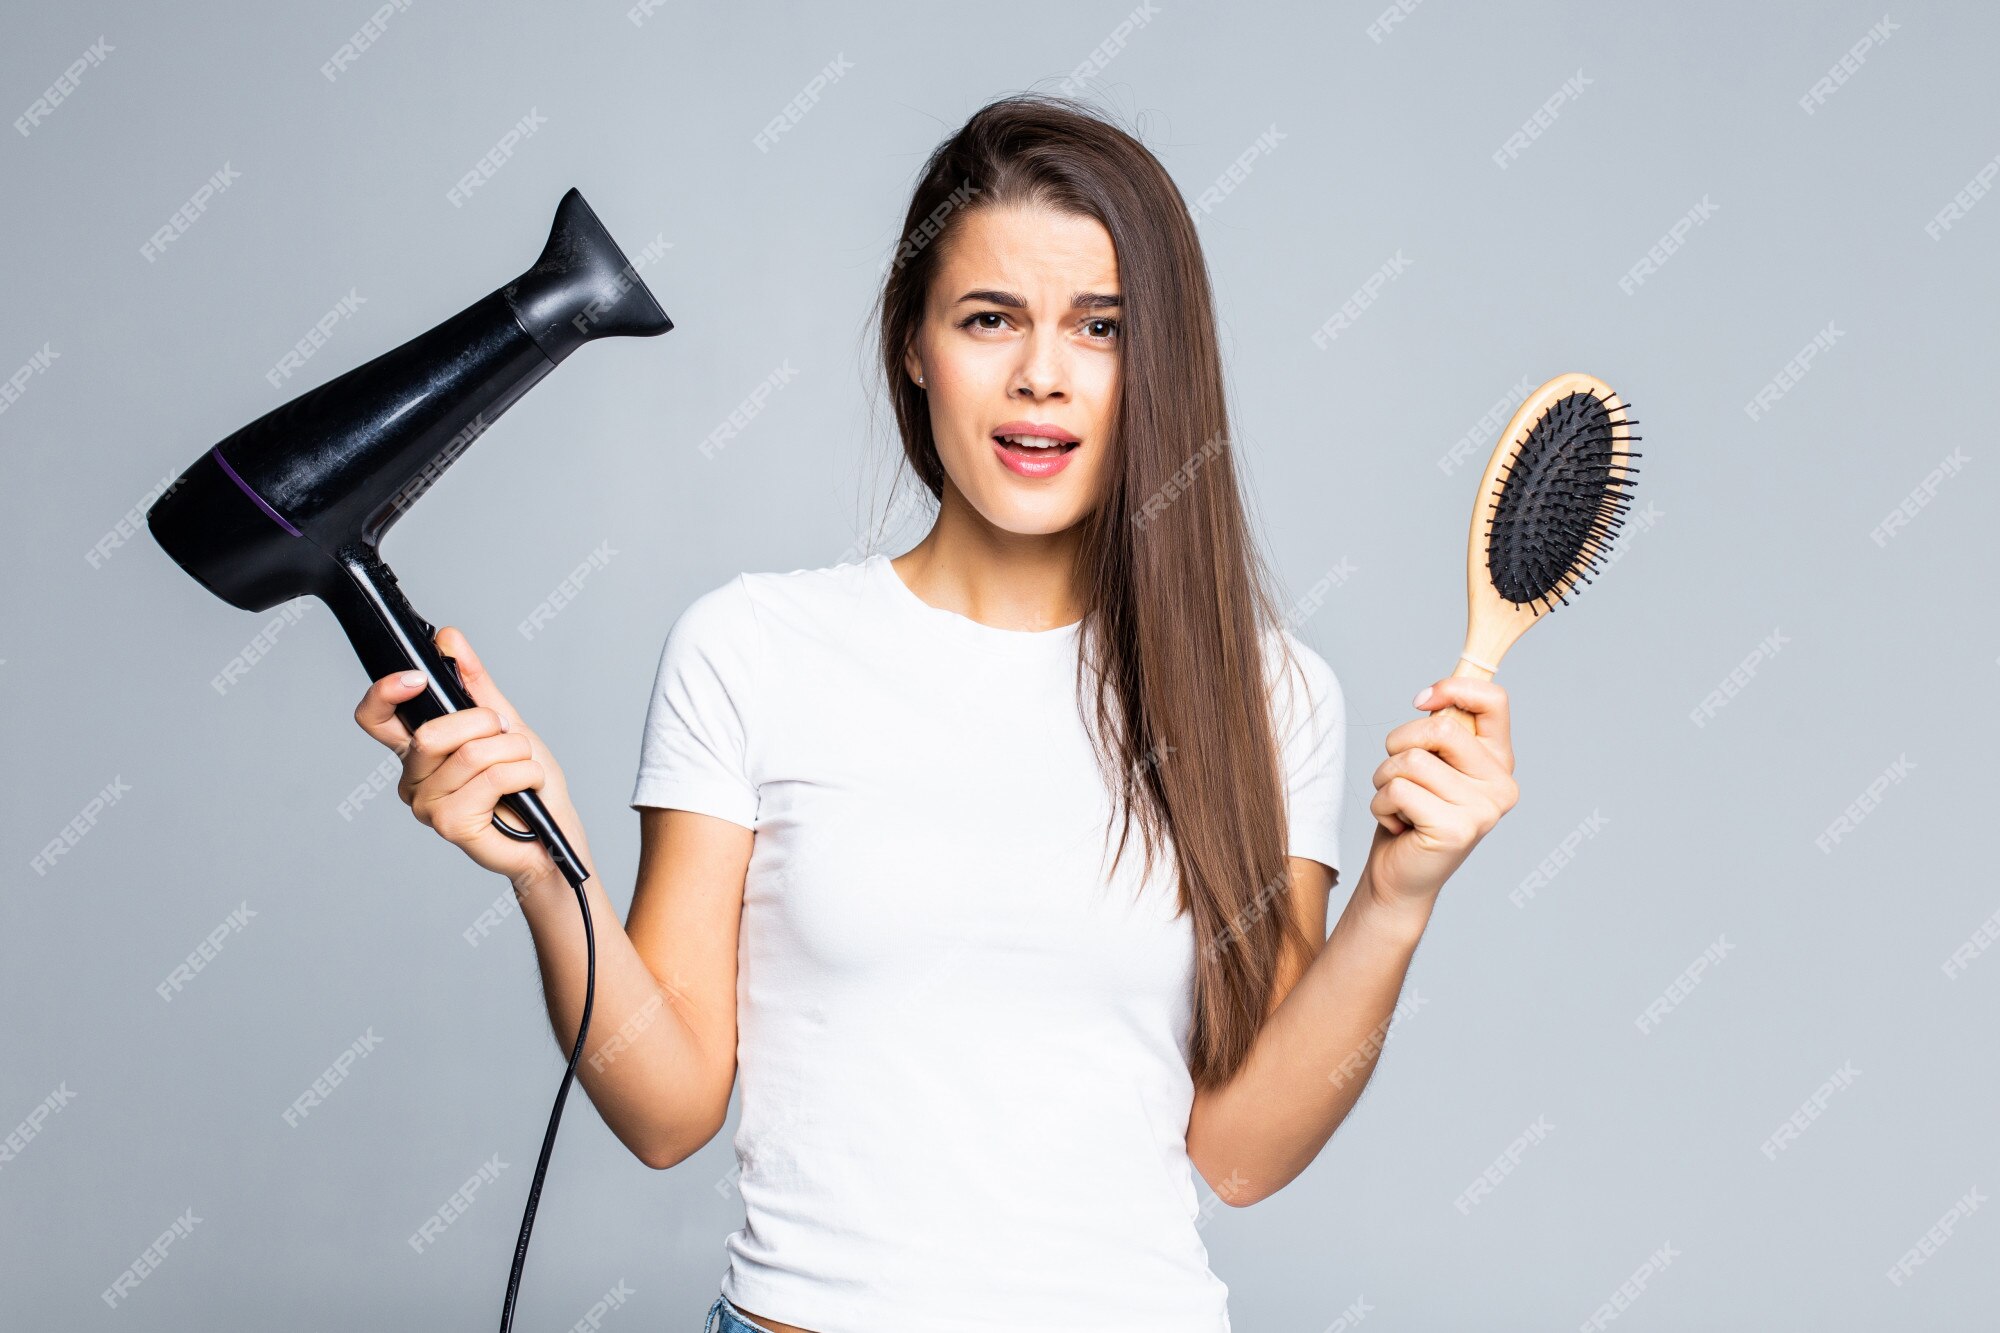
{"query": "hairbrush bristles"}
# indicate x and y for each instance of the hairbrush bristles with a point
(1561, 499)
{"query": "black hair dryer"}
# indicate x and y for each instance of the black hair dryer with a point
(298, 500)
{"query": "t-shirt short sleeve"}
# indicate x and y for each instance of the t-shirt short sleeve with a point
(695, 754)
(1310, 715)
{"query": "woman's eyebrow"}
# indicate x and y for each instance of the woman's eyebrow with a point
(1080, 301)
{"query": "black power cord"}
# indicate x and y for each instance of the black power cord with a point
(562, 1089)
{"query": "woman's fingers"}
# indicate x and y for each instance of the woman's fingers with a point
(434, 744)
(466, 815)
(472, 673)
(1488, 706)
(1452, 783)
(457, 767)
(464, 765)
(377, 710)
(1403, 804)
(1486, 700)
(1430, 771)
(1457, 746)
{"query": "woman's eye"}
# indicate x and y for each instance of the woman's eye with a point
(1102, 330)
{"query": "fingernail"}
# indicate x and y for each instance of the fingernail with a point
(503, 722)
(412, 679)
(1422, 695)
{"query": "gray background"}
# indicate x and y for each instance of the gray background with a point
(1524, 1011)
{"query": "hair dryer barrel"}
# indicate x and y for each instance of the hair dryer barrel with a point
(340, 463)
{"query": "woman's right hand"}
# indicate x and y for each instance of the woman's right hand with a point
(458, 766)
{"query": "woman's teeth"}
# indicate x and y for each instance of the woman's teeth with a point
(1035, 443)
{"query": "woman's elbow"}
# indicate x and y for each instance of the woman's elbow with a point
(668, 1150)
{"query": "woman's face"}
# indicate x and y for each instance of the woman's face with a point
(1021, 334)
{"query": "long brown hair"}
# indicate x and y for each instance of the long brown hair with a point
(1175, 592)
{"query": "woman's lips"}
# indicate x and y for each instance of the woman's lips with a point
(1033, 448)
(1028, 461)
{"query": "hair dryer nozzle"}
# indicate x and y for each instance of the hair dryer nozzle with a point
(582, 287)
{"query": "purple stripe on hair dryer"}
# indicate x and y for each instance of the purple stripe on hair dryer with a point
(297, 501)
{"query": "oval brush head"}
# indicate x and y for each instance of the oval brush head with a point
(1552, 499)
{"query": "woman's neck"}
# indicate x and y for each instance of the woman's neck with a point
(1008, 580)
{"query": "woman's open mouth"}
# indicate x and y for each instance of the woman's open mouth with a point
(1034, 451)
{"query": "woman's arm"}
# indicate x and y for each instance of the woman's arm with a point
(661, 1057)
(1438, 793)
(1250, 1136)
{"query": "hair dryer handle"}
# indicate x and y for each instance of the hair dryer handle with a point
(390, 636)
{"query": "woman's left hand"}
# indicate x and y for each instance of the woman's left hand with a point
(1439, 792)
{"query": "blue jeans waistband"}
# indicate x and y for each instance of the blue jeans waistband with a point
(724, 1317)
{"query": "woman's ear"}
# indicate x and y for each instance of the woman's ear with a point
(912, 365)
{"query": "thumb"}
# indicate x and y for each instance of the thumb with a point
(472, 672)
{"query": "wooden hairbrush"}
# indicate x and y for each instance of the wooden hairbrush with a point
(1552, 499)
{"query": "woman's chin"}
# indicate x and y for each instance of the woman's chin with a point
(1031, 516)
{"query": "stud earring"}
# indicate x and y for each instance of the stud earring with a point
(920, 379)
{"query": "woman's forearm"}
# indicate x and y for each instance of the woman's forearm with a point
(1312, 1057)
(660, 1092)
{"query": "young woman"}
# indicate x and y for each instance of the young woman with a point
(984, 1046)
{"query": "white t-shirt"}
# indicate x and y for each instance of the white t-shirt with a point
(962, 1050)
